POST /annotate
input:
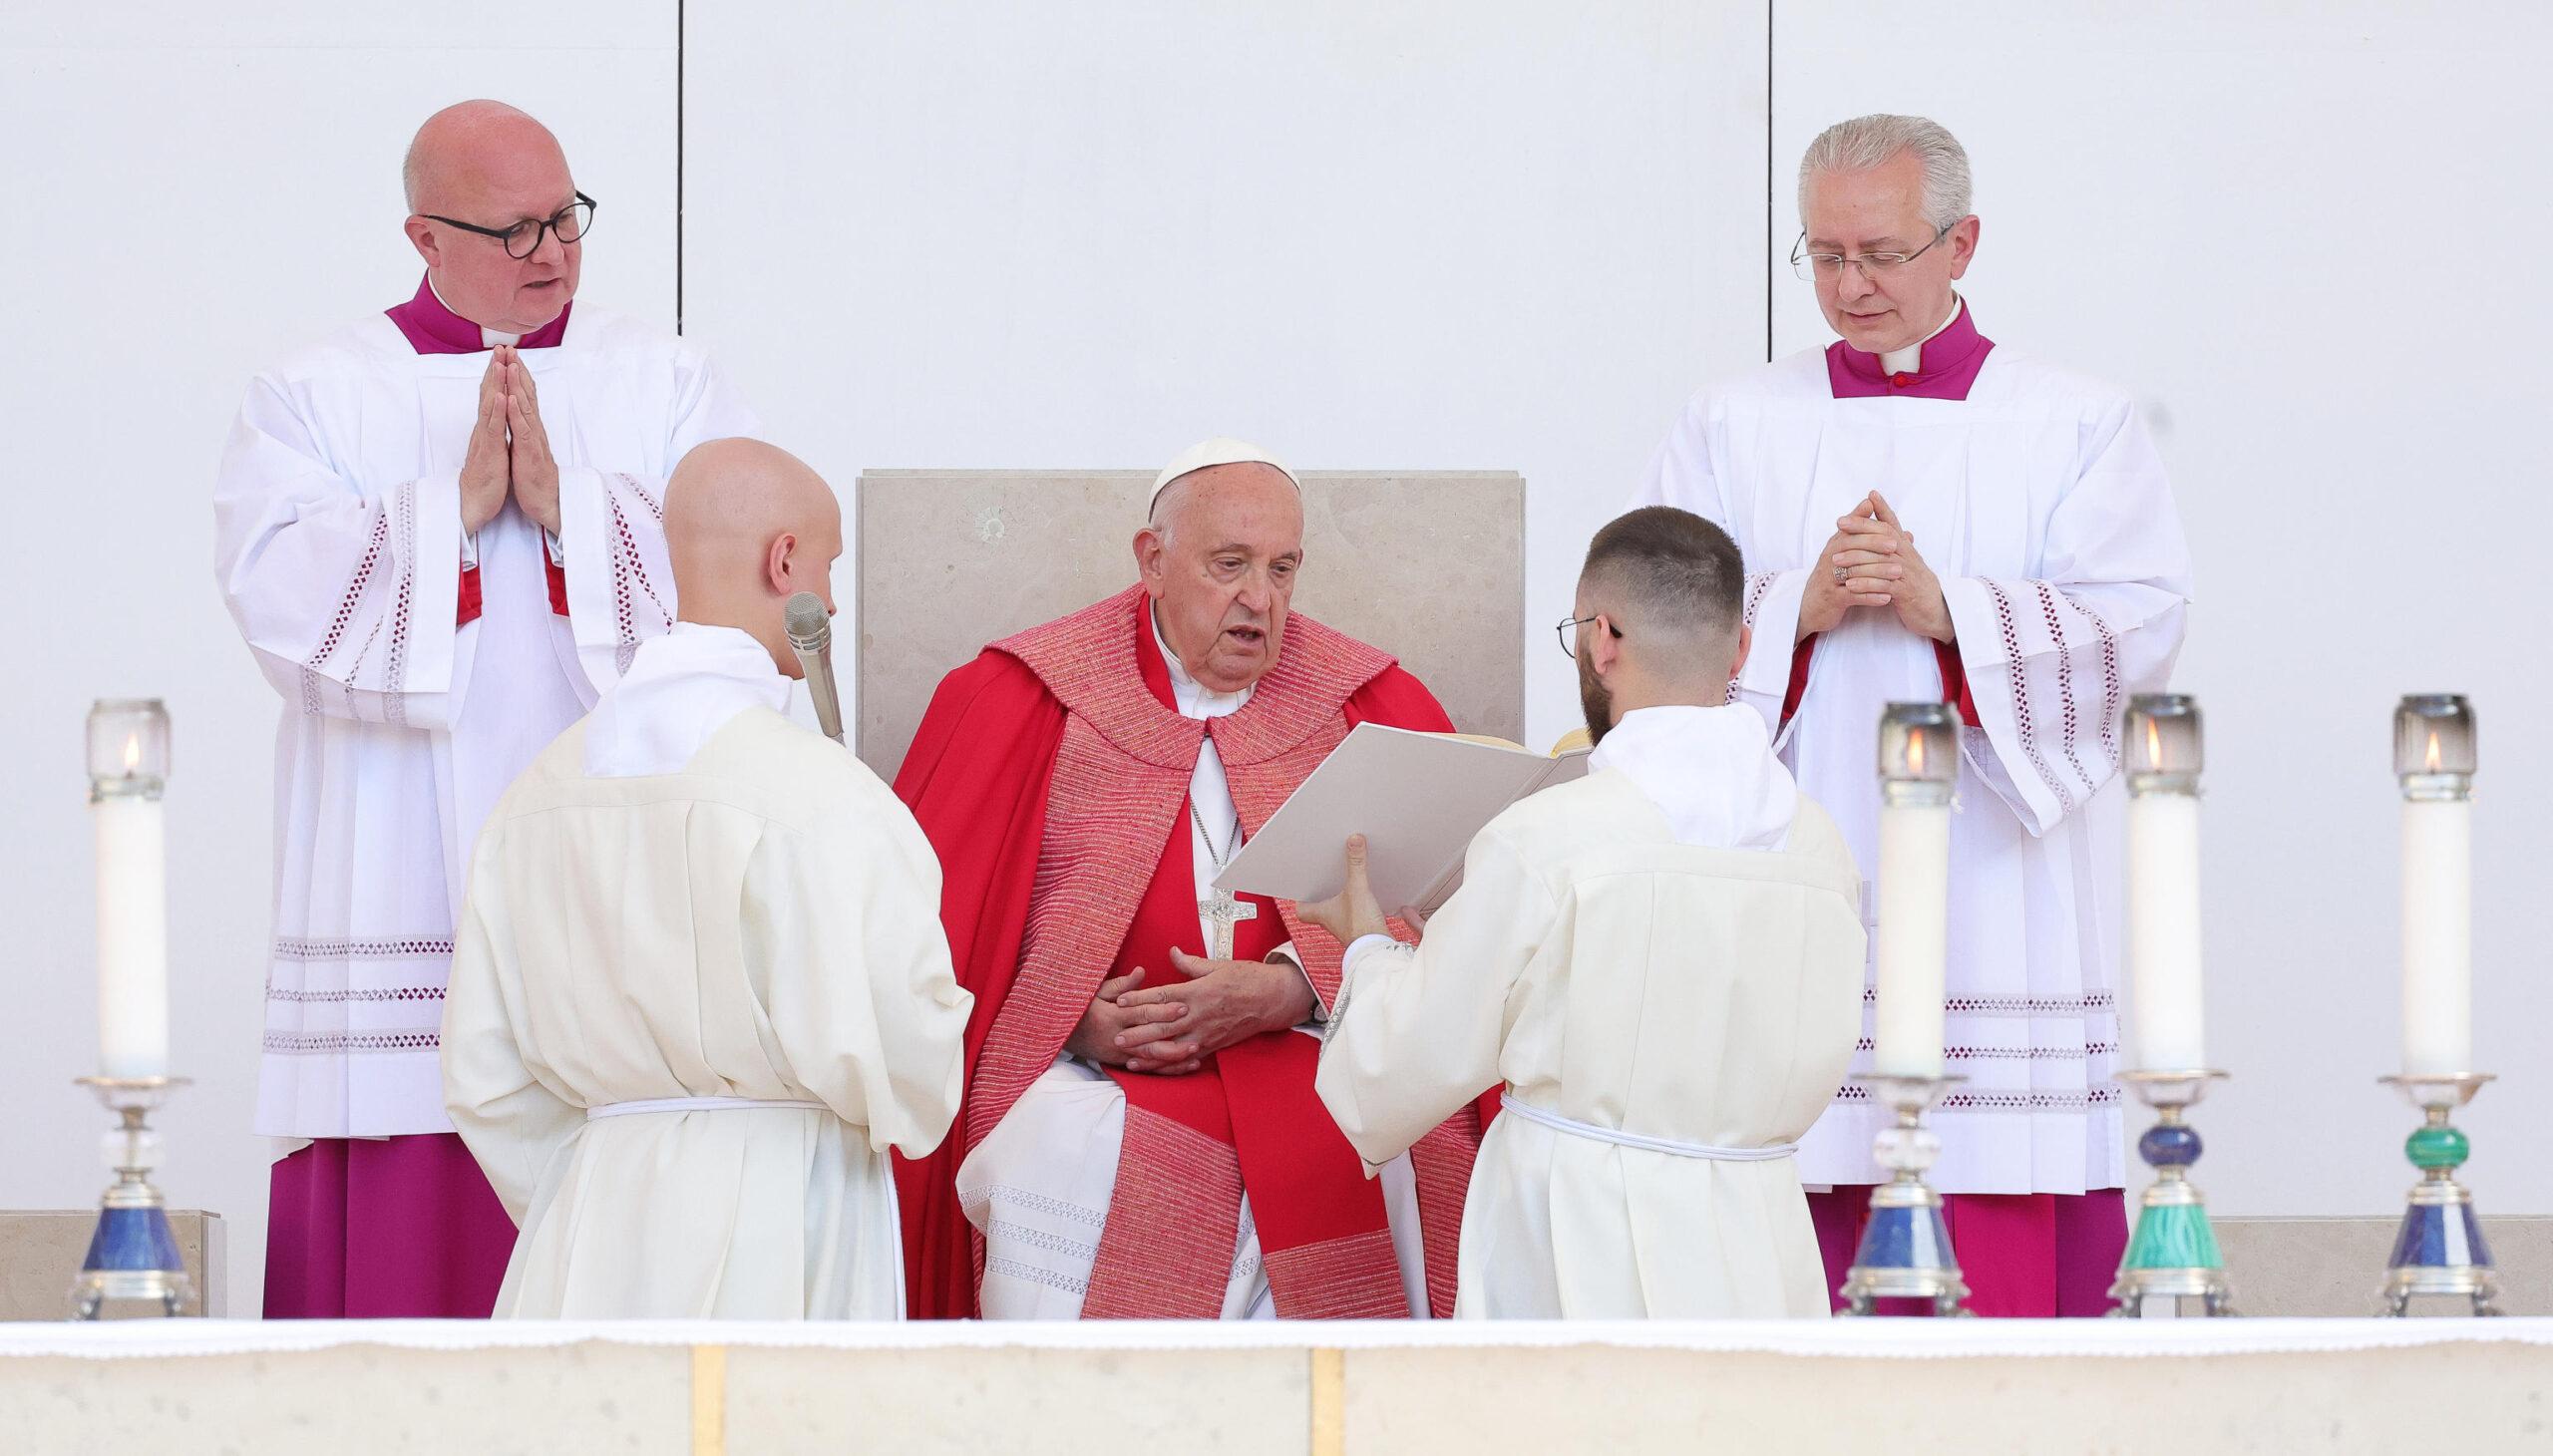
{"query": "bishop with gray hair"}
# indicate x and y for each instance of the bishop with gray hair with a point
(1930, 517)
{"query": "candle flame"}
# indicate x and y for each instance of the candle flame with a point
(2153, 744)
(1915, 752)
(2432, 764)
(133, 753)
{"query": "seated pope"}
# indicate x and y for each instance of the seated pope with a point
(1140, 1137)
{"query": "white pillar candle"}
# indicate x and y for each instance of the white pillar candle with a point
(2437, 935)
(128, 753)
(132, 937)
(2165, 1001)
(1918, 771)
(2435, 753)
(1914, 938)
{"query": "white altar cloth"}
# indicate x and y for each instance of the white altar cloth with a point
(1833, 1339)
(1911, 1387)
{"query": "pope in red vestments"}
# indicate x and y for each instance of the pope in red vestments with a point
(1139, 1136)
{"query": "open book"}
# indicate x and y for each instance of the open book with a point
(1417, 798)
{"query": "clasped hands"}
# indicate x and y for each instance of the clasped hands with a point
(509, 449)
(1871, 561)
(1171, 1029)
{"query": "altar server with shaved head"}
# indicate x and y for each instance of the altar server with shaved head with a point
(701, 985)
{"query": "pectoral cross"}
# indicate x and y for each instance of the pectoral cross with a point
(1226, 910)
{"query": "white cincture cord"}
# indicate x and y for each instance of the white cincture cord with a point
(698, 1104)
(1507, 1102)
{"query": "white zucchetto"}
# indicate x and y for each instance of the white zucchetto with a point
(1205, 454)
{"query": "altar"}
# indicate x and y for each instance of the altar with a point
(1910, 1387)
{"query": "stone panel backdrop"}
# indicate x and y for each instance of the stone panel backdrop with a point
(1428, 566)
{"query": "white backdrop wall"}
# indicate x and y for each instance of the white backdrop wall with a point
(1422, 234)
(1426, 234)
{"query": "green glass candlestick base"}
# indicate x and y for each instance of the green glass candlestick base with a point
(2173, 1255)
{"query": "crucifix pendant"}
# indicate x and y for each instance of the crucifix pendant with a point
(1226, 910)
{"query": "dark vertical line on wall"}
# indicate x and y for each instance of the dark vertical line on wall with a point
(678, 100)
(1772, 246)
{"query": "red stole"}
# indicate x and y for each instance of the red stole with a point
(1307, 1188)
(1114, 888)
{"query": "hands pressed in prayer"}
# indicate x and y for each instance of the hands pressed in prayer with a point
(1223, 1002)
(483, 470)
(1832, 589)
(535, 471)
(509, 449)
(1106, 1025)
(1882, 561)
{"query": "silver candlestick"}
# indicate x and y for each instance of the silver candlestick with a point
(1905, 1253)
(133, 1256)
(2440, 1250)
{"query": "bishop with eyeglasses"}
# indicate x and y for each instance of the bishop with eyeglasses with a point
(441, 533)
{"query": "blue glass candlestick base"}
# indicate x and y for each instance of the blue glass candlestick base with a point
(2440, 1250)
(133, 1256)
(1905, 1253)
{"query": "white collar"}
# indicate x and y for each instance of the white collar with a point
(1710, 771)
(680, 689)
(487, 335)
(1910, 360)
(1195, 699)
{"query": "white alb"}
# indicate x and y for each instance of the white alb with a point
(2041, 504)
(700, 993)
(1660, 962)
(339, 549)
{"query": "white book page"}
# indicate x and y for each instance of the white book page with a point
(1417, 798)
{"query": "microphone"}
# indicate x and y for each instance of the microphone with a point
(811, 636)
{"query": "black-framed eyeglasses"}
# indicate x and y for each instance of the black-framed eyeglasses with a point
(1568, 644)
(1811, 266)
(522, 240)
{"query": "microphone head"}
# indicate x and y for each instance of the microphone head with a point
(810, 627)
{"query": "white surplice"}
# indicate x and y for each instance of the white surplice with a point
(1663, 958)
(338, 547)
(690, 898)
(1039, 1184)
(2039, 501)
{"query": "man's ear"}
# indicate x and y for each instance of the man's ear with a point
(1150, 559)
(779, 566)
(1603, 649)
(1963, 241)
(421, 236)
(1745, 644)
